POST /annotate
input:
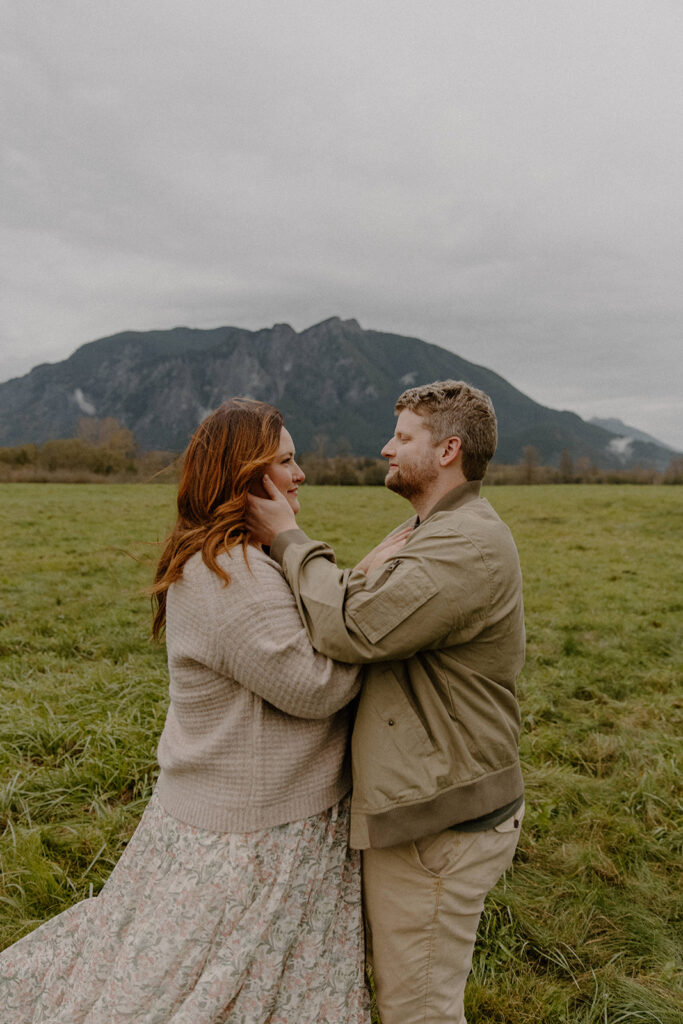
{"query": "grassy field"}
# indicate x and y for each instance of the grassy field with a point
(582, 929)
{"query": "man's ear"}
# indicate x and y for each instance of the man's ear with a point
(450, 448)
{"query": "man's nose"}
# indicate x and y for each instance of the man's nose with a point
(388, 450)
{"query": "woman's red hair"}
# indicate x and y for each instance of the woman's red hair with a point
(224, 457)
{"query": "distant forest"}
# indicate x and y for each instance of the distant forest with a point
(103, 450)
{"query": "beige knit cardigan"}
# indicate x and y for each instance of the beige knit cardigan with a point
(258, 725)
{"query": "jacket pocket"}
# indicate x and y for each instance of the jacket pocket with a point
(393, 756)
(397, 596)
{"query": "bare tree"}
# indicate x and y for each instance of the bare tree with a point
(530, 463)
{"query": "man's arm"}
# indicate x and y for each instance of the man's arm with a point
(433, 588)
(437, 583)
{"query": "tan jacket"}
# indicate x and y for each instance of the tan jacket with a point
(441, 630)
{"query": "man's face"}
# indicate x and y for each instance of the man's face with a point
(413, 457)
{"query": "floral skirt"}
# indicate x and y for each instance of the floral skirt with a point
(198, 928)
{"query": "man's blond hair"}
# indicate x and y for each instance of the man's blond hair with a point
(452, 408)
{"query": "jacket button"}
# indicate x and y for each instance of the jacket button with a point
(390, 721)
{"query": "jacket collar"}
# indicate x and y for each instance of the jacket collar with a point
(460, 495)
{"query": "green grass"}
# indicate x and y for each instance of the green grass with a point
(583, 929)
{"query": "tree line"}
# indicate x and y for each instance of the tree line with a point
(104, 450)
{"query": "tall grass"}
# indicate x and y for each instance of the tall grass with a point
(583, 929)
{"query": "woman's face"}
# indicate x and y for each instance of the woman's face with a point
(284, 472)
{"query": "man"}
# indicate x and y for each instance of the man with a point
(437, 617)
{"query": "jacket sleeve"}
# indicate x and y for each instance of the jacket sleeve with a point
(437, 587)
(251, 632)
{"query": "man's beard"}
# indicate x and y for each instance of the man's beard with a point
(412, 481)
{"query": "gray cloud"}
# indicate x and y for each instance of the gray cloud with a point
(499, 178)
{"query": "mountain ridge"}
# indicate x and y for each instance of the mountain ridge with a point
(335, 383)
(621, 429)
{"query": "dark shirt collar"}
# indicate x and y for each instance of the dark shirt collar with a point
(454, 499)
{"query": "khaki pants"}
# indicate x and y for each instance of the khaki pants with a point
(423, 901)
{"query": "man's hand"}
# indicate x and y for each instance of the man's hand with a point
(266, 517)
(385, 550)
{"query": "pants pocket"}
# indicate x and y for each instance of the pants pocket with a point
(439, 854)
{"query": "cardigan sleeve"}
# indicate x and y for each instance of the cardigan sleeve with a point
(250, 631)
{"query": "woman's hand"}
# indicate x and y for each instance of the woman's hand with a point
(385, 550)
(266, 517)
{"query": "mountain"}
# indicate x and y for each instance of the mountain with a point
(623, 430)
(333, 380)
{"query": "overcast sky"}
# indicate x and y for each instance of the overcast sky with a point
(500, 178)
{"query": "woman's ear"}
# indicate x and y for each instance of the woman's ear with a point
(256, 487)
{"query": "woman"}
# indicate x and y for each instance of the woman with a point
(237, 899)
